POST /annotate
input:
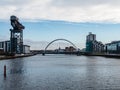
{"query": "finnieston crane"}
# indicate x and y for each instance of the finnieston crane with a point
(15, 23)
(16, 37)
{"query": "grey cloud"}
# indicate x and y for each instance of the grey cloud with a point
(14, 2)
(66, 10)
(83, 3)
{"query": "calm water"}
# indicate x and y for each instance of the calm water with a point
(61, 72)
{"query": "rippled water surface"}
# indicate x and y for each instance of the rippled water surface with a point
(61, 72)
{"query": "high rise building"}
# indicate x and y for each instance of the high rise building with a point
(92, 45)
(91, 37)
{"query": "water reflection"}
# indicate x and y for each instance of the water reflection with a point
(16, 67)
(15, 74)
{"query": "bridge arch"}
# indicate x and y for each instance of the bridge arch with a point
(60, 40)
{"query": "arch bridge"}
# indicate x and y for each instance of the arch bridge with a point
(59, 40)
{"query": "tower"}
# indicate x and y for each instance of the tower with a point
(90, 37)
(89, 42)
(16, 36)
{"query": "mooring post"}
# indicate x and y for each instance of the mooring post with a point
(5, 71)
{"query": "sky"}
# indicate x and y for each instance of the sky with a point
(47, 20)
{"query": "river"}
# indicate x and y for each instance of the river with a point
(60, 72)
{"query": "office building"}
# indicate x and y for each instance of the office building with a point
(5, 46)
(90, 37)
(92, 45)
(113, 47)
(70, 49)
(1, 51)
(26, 49)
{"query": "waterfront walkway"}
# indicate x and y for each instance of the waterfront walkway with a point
(3, 57)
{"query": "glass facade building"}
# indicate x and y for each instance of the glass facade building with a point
(5, 45)
(113, 47)
(92, 45)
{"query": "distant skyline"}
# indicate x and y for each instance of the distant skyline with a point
(47, 20)
(38, 34)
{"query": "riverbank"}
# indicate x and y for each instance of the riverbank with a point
(105, 55)
(3, 57)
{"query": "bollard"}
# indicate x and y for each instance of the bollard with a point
(4, 71)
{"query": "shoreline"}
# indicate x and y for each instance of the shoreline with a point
(17, 56)
(104, 55)
(28, 55)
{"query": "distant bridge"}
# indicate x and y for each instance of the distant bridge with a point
(60, 40)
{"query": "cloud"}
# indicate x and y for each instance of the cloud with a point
(85, 3)
(65, 10)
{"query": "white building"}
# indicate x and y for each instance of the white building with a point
(5, 45)
(26, 49)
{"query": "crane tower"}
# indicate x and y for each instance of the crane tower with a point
(16, 36)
